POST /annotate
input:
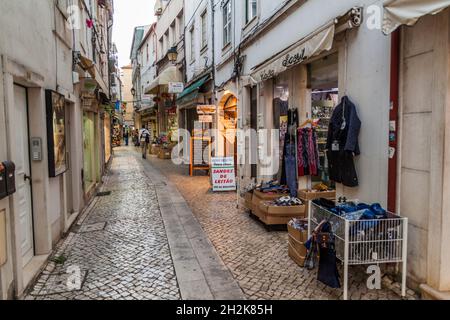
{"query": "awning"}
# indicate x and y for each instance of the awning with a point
(407, 12)
(193, 87)
(308, 47)
(170, 74)
(89, 66)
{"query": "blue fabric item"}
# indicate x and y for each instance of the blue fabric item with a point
(308, 243)
(291, 170)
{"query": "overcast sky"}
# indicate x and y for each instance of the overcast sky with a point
(129, 14)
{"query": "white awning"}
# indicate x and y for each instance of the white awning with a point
(170, 74)
(308, 47)
(407, 12)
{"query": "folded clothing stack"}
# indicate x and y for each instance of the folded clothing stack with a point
(361, 211)
(273, 187)
(299, 224)
(288, 202)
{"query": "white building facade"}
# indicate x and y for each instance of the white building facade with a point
(391, 80)
(46, 55)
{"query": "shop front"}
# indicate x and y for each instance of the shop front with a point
(91, 145)
(164, 90)
(193, 118)
(107, 120)
(382, 93)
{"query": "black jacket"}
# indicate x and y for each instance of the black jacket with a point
(342, 168)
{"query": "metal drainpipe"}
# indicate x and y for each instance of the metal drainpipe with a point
(393, 116)
(213, 69)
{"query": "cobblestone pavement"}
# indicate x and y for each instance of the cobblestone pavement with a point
(119, 247)
(259, 259)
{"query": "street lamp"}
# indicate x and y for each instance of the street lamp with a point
(172, 54)
(133, 91)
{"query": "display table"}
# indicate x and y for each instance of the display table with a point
(279, 215)
(259, 197)
(309, 195)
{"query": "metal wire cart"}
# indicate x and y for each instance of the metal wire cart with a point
(365, 242)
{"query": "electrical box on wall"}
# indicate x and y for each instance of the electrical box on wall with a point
(10, 175)
(36, 149)
(3, 192)
(3, 256)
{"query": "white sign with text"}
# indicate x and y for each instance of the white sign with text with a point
(223, 174)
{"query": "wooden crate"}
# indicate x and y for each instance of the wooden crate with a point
(278, 215)
(296, 256)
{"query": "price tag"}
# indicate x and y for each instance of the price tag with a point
(335, 146)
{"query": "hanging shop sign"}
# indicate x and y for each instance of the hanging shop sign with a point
(176, 87)
(206, 109)
(56, 133)
(205, 118)
(223, 174)
(296, 54)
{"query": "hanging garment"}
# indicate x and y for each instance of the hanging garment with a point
(342, 143)
(290, 169)
(328, 272)
(289, 138)
(307, 152)
(280, 115)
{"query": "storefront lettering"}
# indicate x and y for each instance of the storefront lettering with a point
(294, 59)
(266, 75)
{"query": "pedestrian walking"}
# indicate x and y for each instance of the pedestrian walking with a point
(126, 137)
(144, 137)
(136, 138)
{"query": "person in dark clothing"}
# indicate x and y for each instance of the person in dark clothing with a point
(342, 143)
(126, 137)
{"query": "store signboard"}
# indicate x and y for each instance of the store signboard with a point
(206, 109)
(176, 87)
(56, 133)
(205, 118)
(296, 54)
(146, 100)
(223, 174)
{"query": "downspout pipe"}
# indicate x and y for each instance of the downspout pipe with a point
(394, 117)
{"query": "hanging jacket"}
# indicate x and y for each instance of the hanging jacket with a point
(342, 143)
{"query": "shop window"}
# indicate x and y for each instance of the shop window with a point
(254, 126)
(280, 111)
(323, 78)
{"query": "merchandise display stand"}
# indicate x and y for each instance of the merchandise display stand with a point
(365, 242)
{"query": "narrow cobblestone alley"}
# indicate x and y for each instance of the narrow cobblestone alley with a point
(142, 241)
(122, 250)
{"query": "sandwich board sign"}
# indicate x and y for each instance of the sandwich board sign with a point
(223, 174)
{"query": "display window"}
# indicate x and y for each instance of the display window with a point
(89, 176)
(323, 76)
(280, 110)
(56, 129)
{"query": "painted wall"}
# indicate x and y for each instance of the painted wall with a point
(30, 45)
(202, 58)
(127, 84)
